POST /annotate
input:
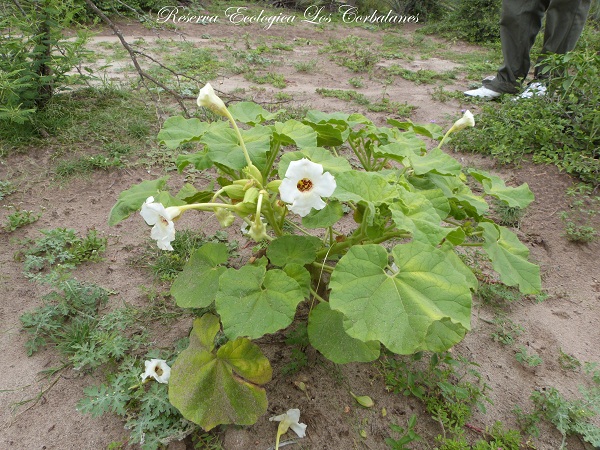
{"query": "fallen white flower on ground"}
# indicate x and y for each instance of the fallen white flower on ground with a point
(286, 421)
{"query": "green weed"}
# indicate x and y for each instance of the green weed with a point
(356, 82)
(450, 388)
(275, 79)
(352, 52)
(528, 359)
(506, 330)
(152, 420)
(570, 417)
(297, 339)
(422, 76)
(6, 188)
(306, 66)
(506, 215)
(62, 246)
(84, 165)
(407, 435)
(165, 266)
(568, 362)
(73, 300)
(21, 218)
(583, 208)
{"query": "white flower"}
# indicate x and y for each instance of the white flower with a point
(210, 100)
(157, 369)
(304, 185)
(290, 420)
(162, 219)
(467, 120)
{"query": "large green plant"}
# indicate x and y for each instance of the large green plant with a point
(395, 278)
(35, 56)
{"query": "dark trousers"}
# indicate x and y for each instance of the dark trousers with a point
(520, 23)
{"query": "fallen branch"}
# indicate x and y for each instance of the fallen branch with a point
(132, 54)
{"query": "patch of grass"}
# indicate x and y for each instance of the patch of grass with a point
(346, 95)
(201, 63)
(21, 218)
(306, 66)
(275, 79)
(352, 52)
(84, 165)
(584, 206)
(88, 118)
(422, 76)
(442, 95)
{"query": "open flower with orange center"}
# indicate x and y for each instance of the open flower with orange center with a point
(162, 219)
(303, 186)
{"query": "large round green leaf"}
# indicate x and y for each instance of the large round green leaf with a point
(426, 305)
(293, 249)
(253, 302)
(197, 285)
(509, 258)
(212, 388)
(326, 333)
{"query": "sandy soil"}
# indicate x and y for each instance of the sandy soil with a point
(569, 319)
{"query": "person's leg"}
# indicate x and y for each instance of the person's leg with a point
(520, 23)
(565, 20)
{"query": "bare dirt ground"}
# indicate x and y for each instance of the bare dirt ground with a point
(568, 320)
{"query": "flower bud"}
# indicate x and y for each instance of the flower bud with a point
(253, 172)
(210, 100)
(234, 191)
(224, 217)
(467, 120)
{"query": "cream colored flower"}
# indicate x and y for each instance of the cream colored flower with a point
(303, 186)
(163, 230)
(210, 100)
(290, 420)
(157, 369)
(467, 120)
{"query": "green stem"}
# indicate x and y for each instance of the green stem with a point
(324, 267)
(206, 206)
(472, 244)
(317, 296)
(358, 154)
(444, 138)
(237, 130)
(297, 227)
(271, 159)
